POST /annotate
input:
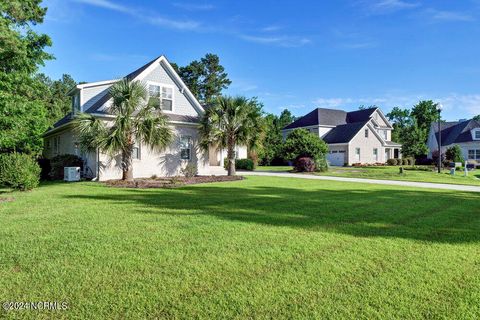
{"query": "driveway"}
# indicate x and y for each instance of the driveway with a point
(360, 180)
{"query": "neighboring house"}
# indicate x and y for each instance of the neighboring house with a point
(465, 133)
(362, 136)
(177, 102)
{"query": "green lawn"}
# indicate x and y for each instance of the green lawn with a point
(263, 247)
(391, 173)
(274, 168)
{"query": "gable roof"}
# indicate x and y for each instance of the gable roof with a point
(331, 117)
(344, 133)
(455, 132)
(136, 74)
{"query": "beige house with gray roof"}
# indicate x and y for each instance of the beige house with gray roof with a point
(176, 101)
(362, 136)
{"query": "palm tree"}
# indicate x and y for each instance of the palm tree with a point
(136, 121)
(232, 121)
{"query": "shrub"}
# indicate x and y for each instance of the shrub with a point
(424, 161)
(189, 171)
(45, 167)
(455, 154)
(245, 164)
(404, 162)
(392, 162)
(435, 155)
(19, 171)
(301, 143)
(418, 168)
(321, 165)
(61, 161)
(411, 161)
(305, 164)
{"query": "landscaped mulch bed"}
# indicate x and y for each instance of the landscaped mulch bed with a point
(170, 182)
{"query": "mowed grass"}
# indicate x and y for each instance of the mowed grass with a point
(263, 247)
(391, 173)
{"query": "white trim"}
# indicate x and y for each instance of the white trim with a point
(389, 125)
(182, 86)
(163, 85)
(91, 84)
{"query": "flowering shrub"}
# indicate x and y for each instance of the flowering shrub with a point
(305, 164)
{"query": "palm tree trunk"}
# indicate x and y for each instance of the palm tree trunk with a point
(127, 169)
(231, 157)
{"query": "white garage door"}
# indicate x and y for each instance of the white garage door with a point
(336, 158)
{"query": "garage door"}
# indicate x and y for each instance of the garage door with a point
(336, 158)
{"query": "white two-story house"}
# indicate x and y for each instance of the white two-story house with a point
(465, 133)
(362, 136)
(177, 102)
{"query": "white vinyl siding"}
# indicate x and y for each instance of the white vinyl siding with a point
(181, 104)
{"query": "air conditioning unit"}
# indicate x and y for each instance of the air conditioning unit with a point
(71, 173)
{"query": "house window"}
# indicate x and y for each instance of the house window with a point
(357, 154)
(375, 154)
(185, 147)
(474, 154)
(385, 135)
(56, 145)
(366, 133)
(136, 152)
(477, 135)
(160, 97)
(167, 98)
(76, 102)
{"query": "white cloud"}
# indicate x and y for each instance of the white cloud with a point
(451, 16)
(386, 6)
(282, 41)
(145, 16)
(194, 6)
(106, 4)
(456, 106)
(271, 28)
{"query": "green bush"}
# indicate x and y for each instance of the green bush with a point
(404, 162)
(301, 143)
(392, 162)
(59, 162)
(454, 154)
(411, 161)
(418, 168)
(19, 171)
(242, 164)
(321, 165)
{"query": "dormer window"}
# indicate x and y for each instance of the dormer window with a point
(160, 96)
(476, 134)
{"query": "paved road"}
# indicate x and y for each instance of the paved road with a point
(360, 180)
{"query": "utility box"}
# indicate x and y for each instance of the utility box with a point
(71, 173)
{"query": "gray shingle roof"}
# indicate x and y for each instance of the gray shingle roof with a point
(344, 133)
(456, 132)
(331, 117)
(347, 124)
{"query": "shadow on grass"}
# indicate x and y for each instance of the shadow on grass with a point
(434, 216)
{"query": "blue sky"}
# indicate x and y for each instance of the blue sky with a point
(290, 54)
